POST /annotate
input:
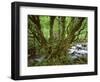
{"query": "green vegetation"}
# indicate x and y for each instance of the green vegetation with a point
(50, 37)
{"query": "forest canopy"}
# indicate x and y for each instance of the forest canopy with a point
(51, 37)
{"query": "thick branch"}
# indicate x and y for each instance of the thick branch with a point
(36, 21)
(52, 18)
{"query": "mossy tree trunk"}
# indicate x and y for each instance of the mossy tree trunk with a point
(57, 53)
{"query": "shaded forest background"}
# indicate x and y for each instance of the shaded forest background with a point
(50, 37)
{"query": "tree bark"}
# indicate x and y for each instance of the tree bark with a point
(52, 18)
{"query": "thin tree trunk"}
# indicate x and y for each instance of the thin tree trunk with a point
(63, 28)
(59, 27)
(51, 27)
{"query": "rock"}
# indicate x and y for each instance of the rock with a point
(78, 50)
(39, 58)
